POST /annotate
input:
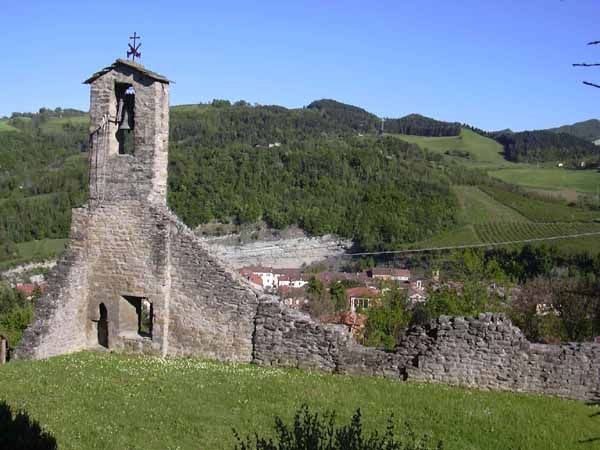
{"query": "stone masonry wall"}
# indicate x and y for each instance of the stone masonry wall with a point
(289, 338)
(489, 352)
(485, 352)
(60, 317)
(212, 309)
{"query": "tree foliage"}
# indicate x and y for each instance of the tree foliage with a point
(419, 125)
(542, 145)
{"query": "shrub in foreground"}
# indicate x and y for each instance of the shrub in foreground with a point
(310, 431)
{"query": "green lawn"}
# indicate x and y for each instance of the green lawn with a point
(551, 179)
(481, 149)
(104, 401)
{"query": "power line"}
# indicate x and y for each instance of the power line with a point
(489, 244)
(417, 250)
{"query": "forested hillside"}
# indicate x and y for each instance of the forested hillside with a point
(418, 125)
(43, 174)
(239, 163)
(346, 116)
(541, 145)
(325, 168)
(588, 129)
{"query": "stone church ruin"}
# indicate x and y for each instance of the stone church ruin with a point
(135, 279)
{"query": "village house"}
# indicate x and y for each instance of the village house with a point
(390, 273)
(328, 278)
(29, 289)
(417, 292)
(271, 278)
(292, 297)
(362, 297)
(353, 320)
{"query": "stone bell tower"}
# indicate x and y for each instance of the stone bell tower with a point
(129, 133)
(134, 278)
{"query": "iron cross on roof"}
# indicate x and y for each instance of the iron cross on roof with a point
(134, 49)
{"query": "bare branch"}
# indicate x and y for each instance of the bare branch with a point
(591, 84)
(593, 43)
(586, 64)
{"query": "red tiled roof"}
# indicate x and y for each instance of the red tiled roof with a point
(362, 292)
(256, 279)
(292, 274)
(330, 277)
(390, 271)
(26, 288)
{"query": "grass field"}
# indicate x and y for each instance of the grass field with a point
(57, 125)
(4, 126)
(478, 207)
(550, 179)
(104, 401)
(493, 215)
(481, 149)
(538, 210)
(36, 251)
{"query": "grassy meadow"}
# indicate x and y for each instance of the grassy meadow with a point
(108, 401)
(550, 179)
(36, 251)
(5, 126)
(482, 150)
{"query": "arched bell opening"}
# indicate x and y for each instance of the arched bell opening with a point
(125, 118)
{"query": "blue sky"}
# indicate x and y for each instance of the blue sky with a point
(493, 64)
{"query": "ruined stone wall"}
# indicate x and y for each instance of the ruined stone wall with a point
(489, 352)
(485, 352)
(60, 316)
(289, 338)
(212, 309)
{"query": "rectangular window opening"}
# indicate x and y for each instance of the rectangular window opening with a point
(144, 315)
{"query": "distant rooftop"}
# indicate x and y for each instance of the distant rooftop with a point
(132, 65)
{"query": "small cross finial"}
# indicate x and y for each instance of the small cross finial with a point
(133, 51)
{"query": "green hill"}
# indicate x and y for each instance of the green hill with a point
(108, 401)
(237, 163)
(344, 115)
(468, 148)
(588, 129)
(324, 168)
(542, 145)
(418, 125)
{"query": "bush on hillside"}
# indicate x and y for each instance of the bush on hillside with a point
(311, 431)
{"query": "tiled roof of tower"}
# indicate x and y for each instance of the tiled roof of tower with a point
(131, 64)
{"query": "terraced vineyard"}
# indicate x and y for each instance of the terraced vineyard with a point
(491, 215)
(538, 210)
(517, 231)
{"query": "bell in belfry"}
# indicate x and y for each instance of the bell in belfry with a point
(126, 122)
(126, 114)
